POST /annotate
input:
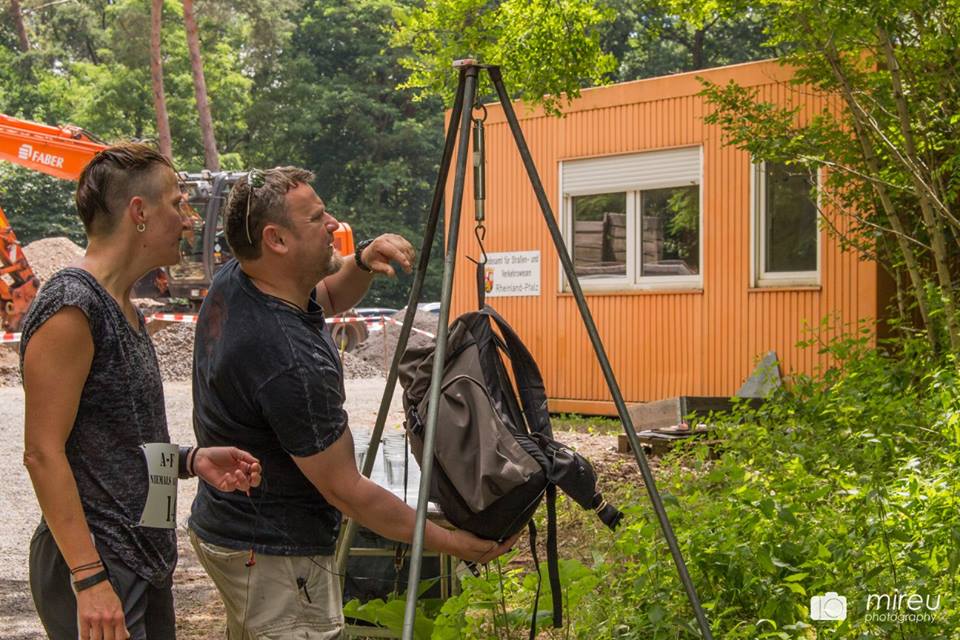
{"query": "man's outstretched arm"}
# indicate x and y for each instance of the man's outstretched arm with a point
(334, 473)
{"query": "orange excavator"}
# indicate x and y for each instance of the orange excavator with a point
(56, 151)
(63, 152)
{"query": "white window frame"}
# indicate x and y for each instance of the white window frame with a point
(760, 277)
(633, 280)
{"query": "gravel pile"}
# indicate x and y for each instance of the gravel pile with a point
(355, 368)
(372, 349)
(49, 255)
(174, 346)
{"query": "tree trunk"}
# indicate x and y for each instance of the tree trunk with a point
(211, 158)
(156, 80)
(924, 188)
(858, 119)
(21, 27)
(699, 39)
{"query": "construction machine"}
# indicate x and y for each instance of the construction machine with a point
(63, 152)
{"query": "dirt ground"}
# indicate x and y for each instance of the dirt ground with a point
(199, 612)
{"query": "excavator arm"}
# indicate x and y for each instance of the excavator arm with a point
(61, 152)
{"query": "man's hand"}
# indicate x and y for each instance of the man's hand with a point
(386, 249)
(467, 546)
(100, 612)
(227, 468)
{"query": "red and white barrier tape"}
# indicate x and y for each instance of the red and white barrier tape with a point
(174, 317)
(340, 320)
(192, 319)
(420, 331)
(9, 337)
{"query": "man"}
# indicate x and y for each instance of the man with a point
(267, 374)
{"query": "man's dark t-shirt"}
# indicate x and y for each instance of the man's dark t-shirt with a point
(267, 378)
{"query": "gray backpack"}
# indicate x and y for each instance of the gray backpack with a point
(495, 458)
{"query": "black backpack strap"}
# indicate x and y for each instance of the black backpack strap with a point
(481, 287)
(553, 561)
(533, 395)
(536, 563)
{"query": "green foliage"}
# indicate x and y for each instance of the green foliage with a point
(659, 37)
(38, 206)
(499, 603)
(588, 424)
(845, 482)
(389, 613)
(548, 50)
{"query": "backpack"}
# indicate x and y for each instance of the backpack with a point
(494, 453)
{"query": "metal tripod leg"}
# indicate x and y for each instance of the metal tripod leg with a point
(346, 540)
(600, 351)
(469, 79)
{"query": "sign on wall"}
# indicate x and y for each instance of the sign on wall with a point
(516, 273)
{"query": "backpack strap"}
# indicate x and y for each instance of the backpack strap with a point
(536, 563)
(481, 285)
(553, 561)
(533, 396)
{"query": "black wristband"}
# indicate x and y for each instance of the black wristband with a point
(363, 244)
(183, 471)
(192, 461)
(86, 583)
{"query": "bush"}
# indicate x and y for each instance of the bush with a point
(846, 482)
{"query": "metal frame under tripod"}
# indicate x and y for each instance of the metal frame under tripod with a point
(466, 94)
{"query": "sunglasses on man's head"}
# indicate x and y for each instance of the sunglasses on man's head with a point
(255, 180)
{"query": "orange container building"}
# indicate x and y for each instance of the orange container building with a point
(694, 260)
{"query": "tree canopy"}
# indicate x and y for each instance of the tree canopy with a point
(352, 89)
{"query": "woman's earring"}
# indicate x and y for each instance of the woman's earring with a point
(142, 227)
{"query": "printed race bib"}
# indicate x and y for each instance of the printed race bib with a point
(161, 508)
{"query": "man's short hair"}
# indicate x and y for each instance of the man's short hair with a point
(267, 204)
(115, 175)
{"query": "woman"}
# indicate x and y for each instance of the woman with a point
(102, 559)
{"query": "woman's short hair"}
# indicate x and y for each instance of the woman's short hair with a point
(115, 175)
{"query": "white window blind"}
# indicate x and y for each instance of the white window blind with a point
(637, 171)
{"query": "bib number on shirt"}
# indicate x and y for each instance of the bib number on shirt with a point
(160, 511)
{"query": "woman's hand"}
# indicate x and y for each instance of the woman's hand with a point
(100, 612)
(227, 468)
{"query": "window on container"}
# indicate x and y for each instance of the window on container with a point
(600, 235)
(670, 232)
(633, 221)
(789, 238)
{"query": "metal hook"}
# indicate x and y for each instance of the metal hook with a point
(480, 107)
(480, 232)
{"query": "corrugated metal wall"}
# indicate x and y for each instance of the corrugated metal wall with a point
(661, 343)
